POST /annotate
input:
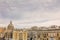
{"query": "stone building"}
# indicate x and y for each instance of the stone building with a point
(19, 35)
(43, 33)
(2, 32)
(34, 33)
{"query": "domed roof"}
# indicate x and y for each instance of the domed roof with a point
(10, 26)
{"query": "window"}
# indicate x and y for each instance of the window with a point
(38, 36)
(47, 38)
(45, 35)
(11, 34)
(57, 34)
(31, 38)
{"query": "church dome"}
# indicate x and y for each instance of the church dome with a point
(10, 26)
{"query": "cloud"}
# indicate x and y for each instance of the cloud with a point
(51, 22)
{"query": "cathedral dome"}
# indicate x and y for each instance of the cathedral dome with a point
(10, 26)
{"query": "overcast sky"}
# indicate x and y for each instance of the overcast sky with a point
(27, 13)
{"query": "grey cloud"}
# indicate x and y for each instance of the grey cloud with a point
(14, 9)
